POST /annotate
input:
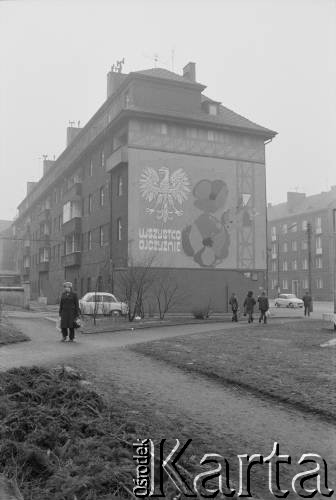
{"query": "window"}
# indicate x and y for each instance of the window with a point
(305, 264)
(164, 129)
(318, 244)
(26, 261)
(274, 251)
(285, 265)
(273, 284)
(318, 225)
(119, 230)
(294, 245)
(304, 245)
(44, 255)
(72, 243)
(274, 266)
(304, 225)
(318, 262)
(100, 285)
(285, 284)
(293, 227)
(285, 246)
(294, 265)
(91, 168)
(89, 240)
(273, 233)
(101, 196)
(88, 284)
(192, 133)
(213, 109)
(101, 236)
(211, 135)
(102, 159)
(120, 185)
(284, 228)
(90, 204)
(319, 283)
(305, 284)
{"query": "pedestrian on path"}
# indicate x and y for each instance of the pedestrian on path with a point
(234, 306)
(263, 307)
(249, 304)
(68, 311)
(307, 302)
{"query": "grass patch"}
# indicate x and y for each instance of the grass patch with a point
(282, 361)
(62, 441)
(9, 334)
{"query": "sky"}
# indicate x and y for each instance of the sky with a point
(271, 61)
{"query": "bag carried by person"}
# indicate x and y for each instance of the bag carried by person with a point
(77, 323)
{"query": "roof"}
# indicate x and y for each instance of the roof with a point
(226, 119)
(163, 73)
(314, 203)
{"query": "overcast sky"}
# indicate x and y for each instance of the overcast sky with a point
(272, 61)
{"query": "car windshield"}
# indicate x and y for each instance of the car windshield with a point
(291, 296)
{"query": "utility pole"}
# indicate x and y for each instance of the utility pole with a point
(278, 268)
(309, 236)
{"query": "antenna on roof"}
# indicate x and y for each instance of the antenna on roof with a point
(156, 58)
(71, 123)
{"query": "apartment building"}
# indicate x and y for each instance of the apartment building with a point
(160, 170)
(301, 245)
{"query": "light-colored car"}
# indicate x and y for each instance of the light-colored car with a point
(288, 300)
(102, 303)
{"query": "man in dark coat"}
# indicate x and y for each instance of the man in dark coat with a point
(68, 311)
(234, 306)
(249, 304)
(307, 302)
(263, 307)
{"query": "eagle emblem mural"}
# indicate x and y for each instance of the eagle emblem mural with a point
(165, 193)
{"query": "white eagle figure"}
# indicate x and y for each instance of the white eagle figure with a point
(164, 193)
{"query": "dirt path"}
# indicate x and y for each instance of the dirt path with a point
(226, 421)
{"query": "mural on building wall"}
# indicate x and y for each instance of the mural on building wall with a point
(194, 212)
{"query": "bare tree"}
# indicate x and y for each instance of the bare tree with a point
(135, 283)
(166, 292)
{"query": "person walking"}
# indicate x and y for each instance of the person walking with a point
(234, 306)
(68, 311)
(249, 304)
(263, 307)
(307, 302)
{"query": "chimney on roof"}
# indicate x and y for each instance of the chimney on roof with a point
(294, 200)
(47, 164)
(114, 80)
(189, 71)
(71, 133)
(30, 186)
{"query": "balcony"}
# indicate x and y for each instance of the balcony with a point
(44, 239)
(119, 156)
(73, 193)
(44, 215)
(72, 259)
(43, 267)
(74, 225)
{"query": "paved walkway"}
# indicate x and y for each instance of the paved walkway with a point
(45, 346)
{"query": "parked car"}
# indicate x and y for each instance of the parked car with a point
(102, 303)
(288, 300)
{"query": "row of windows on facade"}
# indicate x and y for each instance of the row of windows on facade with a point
(293, 227)
(294, 265)
(304, 284)
(71, 209)
(294, 246)
(193, 133)
(73, 243)
(58, 194)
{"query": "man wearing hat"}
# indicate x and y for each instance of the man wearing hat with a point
(68, 311)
